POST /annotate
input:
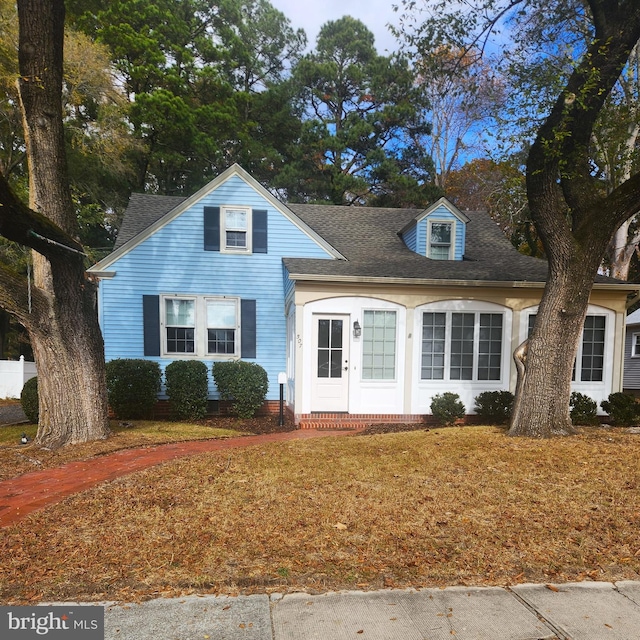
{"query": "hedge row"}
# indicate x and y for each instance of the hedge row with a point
(495, 408)
(133, 386)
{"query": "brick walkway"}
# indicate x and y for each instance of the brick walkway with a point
(24, 494)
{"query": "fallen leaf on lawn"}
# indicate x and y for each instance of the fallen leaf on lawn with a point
(340, 526)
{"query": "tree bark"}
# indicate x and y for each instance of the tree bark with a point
(62, 319)
(574, 220)
(542, 402)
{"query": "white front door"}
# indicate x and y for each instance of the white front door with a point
(330, 386)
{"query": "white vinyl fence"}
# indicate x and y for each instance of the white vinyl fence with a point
(13, 375)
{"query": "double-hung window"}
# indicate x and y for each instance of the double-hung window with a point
(222, 322)
(201, 326)
(461, 345)
(440, 240)
(379, 345)
(236, 231)
(180, 324)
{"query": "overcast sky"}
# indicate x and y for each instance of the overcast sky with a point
(310, 16)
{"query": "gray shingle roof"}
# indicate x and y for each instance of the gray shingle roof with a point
(369, 239)
(142, 211)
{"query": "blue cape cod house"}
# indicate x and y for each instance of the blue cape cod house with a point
(370, 312)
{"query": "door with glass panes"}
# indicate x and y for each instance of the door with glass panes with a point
(330, 386)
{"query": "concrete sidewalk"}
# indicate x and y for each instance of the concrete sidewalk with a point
(575, 611)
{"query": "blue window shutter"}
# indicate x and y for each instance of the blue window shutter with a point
(248, 328)
(212, 228)
(259, 231)
(151, 324)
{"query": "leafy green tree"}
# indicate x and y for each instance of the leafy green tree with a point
(574, 215)
(207, 83)
(362, 116)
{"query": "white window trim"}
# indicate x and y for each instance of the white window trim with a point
(464, 306)
(200, 332)
(476, 348)
(395, 354)
(452, 246)
(223, 230)
(635, 353)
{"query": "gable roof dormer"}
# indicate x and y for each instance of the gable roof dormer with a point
(438, 232)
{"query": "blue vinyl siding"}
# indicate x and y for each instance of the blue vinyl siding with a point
(441, 213)
(410, 238)
(173, 260)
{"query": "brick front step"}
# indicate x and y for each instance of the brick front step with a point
(354, 421)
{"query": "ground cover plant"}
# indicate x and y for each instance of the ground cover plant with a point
(422, 508)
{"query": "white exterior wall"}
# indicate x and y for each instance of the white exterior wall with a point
(407, 393)
(365, 396)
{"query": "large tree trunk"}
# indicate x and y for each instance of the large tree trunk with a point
(574, 220)
(63, 329)
(544, 383)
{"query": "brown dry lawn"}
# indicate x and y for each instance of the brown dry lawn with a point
(16, 459)
(422, 508)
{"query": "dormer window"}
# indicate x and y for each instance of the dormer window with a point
(440, 240)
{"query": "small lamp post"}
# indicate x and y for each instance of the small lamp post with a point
(282, 380)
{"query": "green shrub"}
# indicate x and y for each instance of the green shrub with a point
(622, 409)
(447, 408)
(133, 385)
(29, 400)
(494, 406)
(245, 384)
(584, 410)
(187, 388)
